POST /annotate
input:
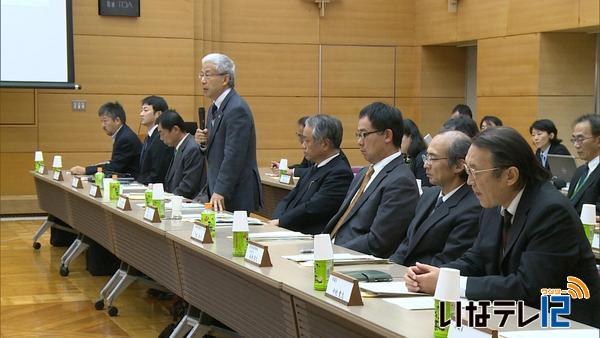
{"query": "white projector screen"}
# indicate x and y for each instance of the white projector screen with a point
(36, 44)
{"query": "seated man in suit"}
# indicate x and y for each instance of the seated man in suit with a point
(126, 145)
(320, 192)
(382, 198)
(585, 184)
(185, 176)
(447, 217)
(530, 236)
(156, 155)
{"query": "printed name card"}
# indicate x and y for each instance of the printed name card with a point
(286, 179)
(58, 176)
(151, 215)
(76, 183)
(344, 289)
(123, 203)
(95, 191)
(201, 233)
(258, 254)
(41, 170)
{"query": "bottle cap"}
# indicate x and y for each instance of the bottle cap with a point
(322, 247)
(448, 285)
(588, 214)
(158, 193)
(240, 221)
(208, 205)
(57, 162)
(99, 169)
(114, 177)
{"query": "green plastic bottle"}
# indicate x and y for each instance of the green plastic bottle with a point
(99, 177)
(240, 243)
(114, 186)
(209, 217)
(148, 196)
(438, 331)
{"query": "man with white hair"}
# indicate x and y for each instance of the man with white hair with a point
(229, 140)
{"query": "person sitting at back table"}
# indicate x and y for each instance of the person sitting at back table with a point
(320, 192)
(413, 148)
(381, 200)
(530, 236)
(461, 110)
(156, 156)
(296, 169)
(446, 221)
(545, 138)
(185, 176)
(126, 148)
(462, 123)
(585, 184)
(489, 121)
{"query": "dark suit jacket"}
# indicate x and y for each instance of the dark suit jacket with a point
(302, 167)
(444, 235)
(154, 160)
(555, 149)
(589, 193)
(186, 175)
(316, 198)
(377, 224)
(545, 244)
(125, 157)
(231, 155)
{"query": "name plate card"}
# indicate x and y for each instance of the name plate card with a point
(151, 215)
(286, 179)
(344, 289)
(58, 176)
(95, 191)
(41, 170)
(201, 233)
(258, 254)
(123, 203)
(76, 183)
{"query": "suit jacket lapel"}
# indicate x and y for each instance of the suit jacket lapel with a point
(428, 202)
(351, 192)
(518, 220)
(590, 180)
(218, 117)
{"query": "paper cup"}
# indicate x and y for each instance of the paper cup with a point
(240, 221)
(588, 214)
(38, 156)
(57, 162)
(158, 192)
(106, 188)
(283, 164)
(322, 247)
(176, 206)
(448, 285)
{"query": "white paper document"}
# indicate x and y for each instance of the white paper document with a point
(338, 259)
(413, 303)
(289, 235)
(388, 289)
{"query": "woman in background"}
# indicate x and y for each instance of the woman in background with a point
(413, 147)
(489, 122)
(545, 137)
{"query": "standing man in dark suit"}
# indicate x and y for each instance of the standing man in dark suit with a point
(585, 184)
(126, 145)
(229, 141)
(185, 176)
(156, 155)
(320, 192)
(530, 236)
(382, 198)
(446, 221)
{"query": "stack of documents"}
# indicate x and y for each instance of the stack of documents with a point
(277, 235)
(339, 259)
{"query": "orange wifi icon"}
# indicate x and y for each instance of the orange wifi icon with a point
(577, 288)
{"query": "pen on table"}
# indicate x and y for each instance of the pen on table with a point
(306, 251)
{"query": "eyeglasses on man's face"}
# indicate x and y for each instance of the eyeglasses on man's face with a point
(362, 134)
(427, 158)
(474, 173)
(209, 75)
(579, 139)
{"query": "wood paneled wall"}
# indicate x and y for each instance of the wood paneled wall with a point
(291, 63)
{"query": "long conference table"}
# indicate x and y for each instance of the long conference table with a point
(254, 301)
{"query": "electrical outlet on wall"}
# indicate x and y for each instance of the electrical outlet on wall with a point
(78, 105)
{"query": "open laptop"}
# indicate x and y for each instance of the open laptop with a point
(562, 166)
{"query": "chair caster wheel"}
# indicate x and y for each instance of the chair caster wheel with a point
(112, 311)
(37, 245)
(64, 271)
(99, 305)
